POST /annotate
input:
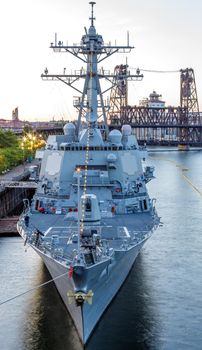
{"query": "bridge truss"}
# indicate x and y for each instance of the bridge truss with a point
(171, 125)
(163, 126)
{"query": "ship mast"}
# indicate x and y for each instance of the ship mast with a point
(92, 51)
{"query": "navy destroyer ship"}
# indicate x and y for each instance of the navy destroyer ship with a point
(91, 213)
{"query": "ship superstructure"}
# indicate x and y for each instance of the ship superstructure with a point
(91, 213)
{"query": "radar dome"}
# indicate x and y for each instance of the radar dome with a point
(126, 130)
(69, 129)
(115, 136)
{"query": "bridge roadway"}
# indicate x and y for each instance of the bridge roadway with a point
(166, 126)
(150, 127)
(176, 133)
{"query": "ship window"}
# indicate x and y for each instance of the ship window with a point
(36, 204)
(80, 148)
(88, 205)
(114, 148)
(145, 204)
(72, 148)
(76, 148)
(67, 148)
(105, 148)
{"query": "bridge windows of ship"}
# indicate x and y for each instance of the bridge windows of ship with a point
(91, 148)
(92, 167)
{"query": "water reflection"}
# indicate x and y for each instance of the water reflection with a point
(131, 322)
(48, 325)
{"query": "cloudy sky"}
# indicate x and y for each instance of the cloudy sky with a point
(167, 35)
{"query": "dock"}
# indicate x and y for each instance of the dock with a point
(8, 226)
(14, 187)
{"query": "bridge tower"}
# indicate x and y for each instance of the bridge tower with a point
(189, 108)
(119, 92)
(188, 92)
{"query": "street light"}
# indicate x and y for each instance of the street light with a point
(31, 142)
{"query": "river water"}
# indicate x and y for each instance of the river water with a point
(159, 306)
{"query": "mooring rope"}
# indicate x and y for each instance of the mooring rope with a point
(32, 289)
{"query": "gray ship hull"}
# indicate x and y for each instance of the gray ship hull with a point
(104, 278)
(105, 287)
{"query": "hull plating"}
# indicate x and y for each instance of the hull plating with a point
(104, 287)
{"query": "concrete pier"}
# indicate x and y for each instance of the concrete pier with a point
(8, 226)
(11, 198)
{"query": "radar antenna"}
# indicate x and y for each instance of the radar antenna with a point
(92, 51)
(92, 3)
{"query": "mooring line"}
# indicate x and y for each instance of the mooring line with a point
(32, 289)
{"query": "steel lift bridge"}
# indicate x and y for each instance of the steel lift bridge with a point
(180, 126)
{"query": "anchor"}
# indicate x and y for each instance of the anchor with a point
(80, 297)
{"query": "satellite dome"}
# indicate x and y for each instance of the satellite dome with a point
(126, 130)
(115, 136)
(69, 129)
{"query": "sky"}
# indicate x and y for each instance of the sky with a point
(166, 36)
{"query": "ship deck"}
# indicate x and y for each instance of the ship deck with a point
(136, 222)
